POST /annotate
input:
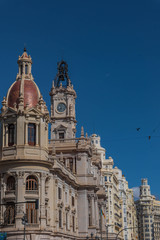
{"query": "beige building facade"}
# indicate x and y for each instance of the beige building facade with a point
(62, 175)
(148, 212)
(120, 206)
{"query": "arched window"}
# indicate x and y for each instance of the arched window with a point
(10, 183)
(10, 134)
(31, 183)
(21, 69)
(31, 134)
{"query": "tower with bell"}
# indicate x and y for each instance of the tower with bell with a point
(63, 120)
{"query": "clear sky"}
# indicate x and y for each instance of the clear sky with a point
(113, 51)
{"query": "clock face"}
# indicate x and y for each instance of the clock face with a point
(61, 107)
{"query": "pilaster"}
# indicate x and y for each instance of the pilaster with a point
(42, 203)
(20, 208)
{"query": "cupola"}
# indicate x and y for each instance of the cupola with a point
(24, 118)
(24, 90)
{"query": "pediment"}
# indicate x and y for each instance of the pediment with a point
(9, 112)
(33, 111)
(60, 127)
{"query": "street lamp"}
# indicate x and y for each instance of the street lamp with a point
(24, 222)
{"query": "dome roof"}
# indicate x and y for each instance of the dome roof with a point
(31, 94)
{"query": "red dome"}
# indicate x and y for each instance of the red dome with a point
(30, 94)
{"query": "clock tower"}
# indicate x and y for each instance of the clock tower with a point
(63, 122)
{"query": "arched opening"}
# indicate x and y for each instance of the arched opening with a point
(21, 69)
(26, 69)
(10, 183)
(31, 183)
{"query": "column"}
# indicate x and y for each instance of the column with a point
(2, 197)
(20, 208)
(26, 136)
(67, 109)
(3, 132)
(37, 134)
(42, 202)
(82, 212)
(93, 210)
(23, 64)
(96, 212)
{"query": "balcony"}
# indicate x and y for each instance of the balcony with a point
(10, 194)
(32, 192)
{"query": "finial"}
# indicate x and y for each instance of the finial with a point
(25, 50)
(53, 84)
(82, 131)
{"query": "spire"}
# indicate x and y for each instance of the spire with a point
(82, 131)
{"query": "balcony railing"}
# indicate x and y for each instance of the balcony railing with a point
(32, 192)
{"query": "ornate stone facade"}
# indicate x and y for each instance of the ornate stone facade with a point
(148, 212)
(63, 174)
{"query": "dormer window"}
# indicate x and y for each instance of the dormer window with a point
(32, 134)
(11, 134)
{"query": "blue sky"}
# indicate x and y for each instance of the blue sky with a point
(112, 49)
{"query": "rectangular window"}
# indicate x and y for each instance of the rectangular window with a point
(61, 135)
(59, 193)
(72, 201)
(31, 213)
(73, 222)
(60, 218)
(105, 178)
(9, 214)
(11, 133)
(66, 197)
(67, 225)
(26, 69)
(31, 134)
